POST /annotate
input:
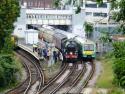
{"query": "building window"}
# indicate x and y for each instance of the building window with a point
(30, 16)
(19, 28)
(88, 13)
(100, 14)
(104, 5)
(35, 16)
(91, 5)
(31, 3)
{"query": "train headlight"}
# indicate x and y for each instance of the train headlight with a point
(70, 53)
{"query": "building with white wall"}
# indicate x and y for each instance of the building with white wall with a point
(20, 25)
(31, 36)
(99, 15)
(32, 13)
(38, 16)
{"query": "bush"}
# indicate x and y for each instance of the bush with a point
(119, 49)
(119, 63)
(8, 69)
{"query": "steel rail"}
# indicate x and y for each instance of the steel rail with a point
(50, 82)
(89, 77)
(65, 80)
(77, 78)
(40, 73)
(25, 86)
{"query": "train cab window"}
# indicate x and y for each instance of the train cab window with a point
(88, 47)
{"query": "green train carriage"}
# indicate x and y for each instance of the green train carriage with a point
(87, 48)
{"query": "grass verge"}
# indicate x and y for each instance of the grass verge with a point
(106, 78)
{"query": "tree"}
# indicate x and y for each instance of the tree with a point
(119, 14)
(57, 3)
(88, 28)
(105, 37)
(78, 10)
(119, 47)
(9, 11)
(8, 69)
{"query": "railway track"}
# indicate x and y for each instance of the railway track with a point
(74, 79)
(50, 81)
(90, 68)
(89, 77)
(68, 84)
(35, 77)
(56, 82)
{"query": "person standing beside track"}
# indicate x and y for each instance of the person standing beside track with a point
(48, 53)
(45, 53)
(51, 59)
(60, 57)
(55, 54)
(34, 48)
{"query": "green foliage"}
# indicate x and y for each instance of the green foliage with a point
(88, 28)
(9, 10)
(105, 36)
(119, 49)
(119, 16)
(119, 63)
(8, 68)
(78, 10)
(106, 78)
(57, 3)
(114, 4)
(115, 91)
(99, 1)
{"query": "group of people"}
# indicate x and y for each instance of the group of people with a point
(47, 52)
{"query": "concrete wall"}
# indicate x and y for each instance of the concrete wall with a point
(20, 25)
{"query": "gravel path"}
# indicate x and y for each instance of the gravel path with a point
(97, 73)
(90, 88)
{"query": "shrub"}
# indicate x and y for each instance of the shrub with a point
(8, 68)
(119, 63)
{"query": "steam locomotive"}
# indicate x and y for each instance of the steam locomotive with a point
(68, 47)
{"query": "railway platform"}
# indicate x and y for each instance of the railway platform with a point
(27, 47)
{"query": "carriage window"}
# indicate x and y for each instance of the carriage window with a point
(88, 47)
